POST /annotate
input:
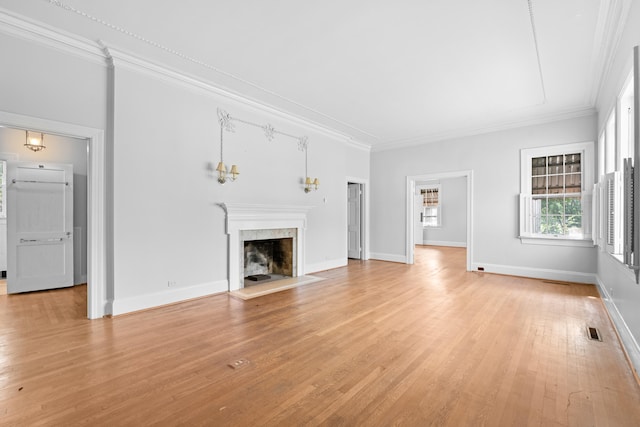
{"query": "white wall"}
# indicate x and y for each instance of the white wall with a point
(162, 145)
(168, 225)
(453, 228)
(59, 149)
(616, 283)
(494, 159)
(52, 84)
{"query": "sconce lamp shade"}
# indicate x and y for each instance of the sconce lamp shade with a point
(234, 172)
(308, 182)
(221, 167)
(34, 141)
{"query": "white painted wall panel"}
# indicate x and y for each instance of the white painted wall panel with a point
(167, 222)
(495, 161)
(616, 281)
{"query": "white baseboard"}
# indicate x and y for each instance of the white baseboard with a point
(443, 243)
(142, 302)
(388, 257)
(326, 265)
(629, 343)
(537, 273)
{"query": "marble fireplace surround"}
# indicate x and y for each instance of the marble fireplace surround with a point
(241, 217)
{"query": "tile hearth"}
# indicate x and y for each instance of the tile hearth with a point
(273, 286)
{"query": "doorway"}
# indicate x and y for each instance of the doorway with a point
(48, 258)
(354, 220)
(96, 237)
(357, 219)
(411, 221)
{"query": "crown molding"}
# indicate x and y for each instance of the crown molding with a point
(461, 133)
(27, 29)
(99, 52)
(126, 60)
(610, 27)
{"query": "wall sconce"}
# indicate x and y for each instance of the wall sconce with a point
(270, 132)
(303, 145)
(223, 174)
(308, 183)
(34, 141)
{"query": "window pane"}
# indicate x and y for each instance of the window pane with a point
(539, 185)
(572, 206)
(556, 206)
(574, 224)
(554, 225)
(539, 166)
(572, 163)
(540, 205)
(556, 184)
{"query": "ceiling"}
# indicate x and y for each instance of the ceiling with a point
(384, 73)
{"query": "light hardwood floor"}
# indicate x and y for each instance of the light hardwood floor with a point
(376, 343)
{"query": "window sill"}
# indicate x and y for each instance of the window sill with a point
(557, 241)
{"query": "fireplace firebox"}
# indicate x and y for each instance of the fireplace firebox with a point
(268, 257)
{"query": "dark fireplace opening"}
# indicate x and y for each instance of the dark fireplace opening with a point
(264, 259)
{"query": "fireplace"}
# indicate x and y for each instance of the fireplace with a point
(268, 254)
(252, 224)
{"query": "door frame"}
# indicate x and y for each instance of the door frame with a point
(410, 199)
(96, 199)
(364, 215)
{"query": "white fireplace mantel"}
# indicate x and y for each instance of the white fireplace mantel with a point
(247, 216)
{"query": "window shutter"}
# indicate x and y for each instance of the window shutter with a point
(587, 206)
(526, 216)
(613, 204)
(596, 217)
(628, 211)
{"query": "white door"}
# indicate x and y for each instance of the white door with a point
(39, 226)
(354, 221)
(418, 228)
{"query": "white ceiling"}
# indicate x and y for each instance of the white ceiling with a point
(386, 73)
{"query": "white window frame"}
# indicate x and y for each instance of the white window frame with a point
(527, 236)
(616, 142)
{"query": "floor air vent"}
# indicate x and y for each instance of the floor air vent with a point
(593, 334)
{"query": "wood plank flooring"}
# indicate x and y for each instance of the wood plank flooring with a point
(376, 343)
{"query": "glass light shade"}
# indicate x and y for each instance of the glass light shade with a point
(34, 141)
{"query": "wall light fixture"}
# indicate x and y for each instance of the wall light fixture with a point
(34, 141)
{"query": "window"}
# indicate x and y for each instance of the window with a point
(3, 189)
(555, 199)
(614, 208)
(431, 213)
(610, 144)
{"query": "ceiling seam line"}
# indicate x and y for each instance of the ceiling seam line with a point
(535, 42)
